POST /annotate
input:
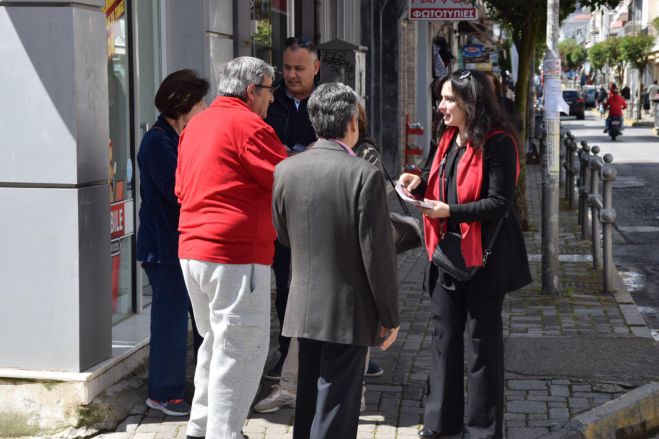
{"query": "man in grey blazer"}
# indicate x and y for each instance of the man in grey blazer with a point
(344, 289)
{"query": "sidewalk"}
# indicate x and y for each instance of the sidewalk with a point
(564, 355)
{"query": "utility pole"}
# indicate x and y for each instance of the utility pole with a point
(551, 160)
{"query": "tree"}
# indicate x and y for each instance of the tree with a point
(597, 57)
(615, 58)
(527, 22)
(636, 50)
(572, 54)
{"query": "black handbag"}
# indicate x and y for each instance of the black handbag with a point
(406, 232)
(448, 254)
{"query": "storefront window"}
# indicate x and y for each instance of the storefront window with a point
(147, 80)
(120, 160)
(269, 30)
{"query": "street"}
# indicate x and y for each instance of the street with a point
(635, 199)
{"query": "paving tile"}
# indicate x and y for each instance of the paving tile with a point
(534, 405)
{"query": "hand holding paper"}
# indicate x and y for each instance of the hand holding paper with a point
(413, 201)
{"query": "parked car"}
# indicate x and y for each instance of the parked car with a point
(576, 102)
(589, 96)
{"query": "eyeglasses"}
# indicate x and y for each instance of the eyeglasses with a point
(462, 73)
(272, 88)
(302, 42)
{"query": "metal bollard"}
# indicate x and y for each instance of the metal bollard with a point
(571, 172)
(608, 218)
(566, 165)
(595, 204)
(561, 172)
(584, 187)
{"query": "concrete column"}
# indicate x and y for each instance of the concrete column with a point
(199, 36)
(55, 227)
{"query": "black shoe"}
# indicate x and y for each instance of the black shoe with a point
(374, 370)
(275, 372)
(427, 433)
(606, 130)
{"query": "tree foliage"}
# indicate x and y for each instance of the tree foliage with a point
(615, 57)
(636, 49)
(572, 53)
(597, 56)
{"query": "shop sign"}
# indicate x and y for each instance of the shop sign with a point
(443, 10)
(114, 10)
(121, 225)
(472, 51)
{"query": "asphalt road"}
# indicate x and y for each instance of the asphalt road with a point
(636, 201)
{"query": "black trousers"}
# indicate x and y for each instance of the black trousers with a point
(329, 390)
(452, 311)
(281, 265)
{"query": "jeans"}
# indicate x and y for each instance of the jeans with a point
(232, 310)
(169, 330)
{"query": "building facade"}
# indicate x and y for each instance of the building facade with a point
(78, 80)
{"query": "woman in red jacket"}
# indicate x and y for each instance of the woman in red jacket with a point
(470, 185)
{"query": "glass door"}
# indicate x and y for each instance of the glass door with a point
(147, 77)
(270, 21)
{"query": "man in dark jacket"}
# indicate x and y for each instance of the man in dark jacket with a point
(289, 117)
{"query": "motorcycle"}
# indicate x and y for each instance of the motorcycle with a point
(615, 126)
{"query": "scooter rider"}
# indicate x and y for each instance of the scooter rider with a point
(615, 104)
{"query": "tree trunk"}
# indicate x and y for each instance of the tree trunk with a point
(639, 93)
(526, 47)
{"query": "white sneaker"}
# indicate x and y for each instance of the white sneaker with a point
(277, 399)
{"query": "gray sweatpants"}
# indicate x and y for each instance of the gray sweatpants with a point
(231, 305)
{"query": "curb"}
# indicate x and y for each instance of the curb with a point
(627, 305)
(632, 415)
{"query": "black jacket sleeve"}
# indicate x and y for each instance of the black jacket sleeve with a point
(499, 182)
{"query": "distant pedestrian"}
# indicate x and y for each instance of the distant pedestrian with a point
(179, 98)
(471, 184)
(601, 100)
(227, 156)
(625, 92)
(330, 208)
(507, 104)
(653, 95)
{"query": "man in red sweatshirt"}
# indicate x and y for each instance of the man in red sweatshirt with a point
(224, 177)
(615, 104)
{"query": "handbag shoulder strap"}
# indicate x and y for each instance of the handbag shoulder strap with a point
(391, 181)
(488, 249)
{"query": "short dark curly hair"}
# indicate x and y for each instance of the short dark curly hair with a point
(179, 92)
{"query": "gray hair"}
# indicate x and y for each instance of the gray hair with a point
(240, 72)
(330, 107)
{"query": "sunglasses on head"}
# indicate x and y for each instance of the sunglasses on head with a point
(302, 42)
(462, 73)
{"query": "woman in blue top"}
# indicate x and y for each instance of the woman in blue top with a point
(179, 98)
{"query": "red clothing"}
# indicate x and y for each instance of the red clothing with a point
(226, 159)
(469, 177)
(616, 104)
